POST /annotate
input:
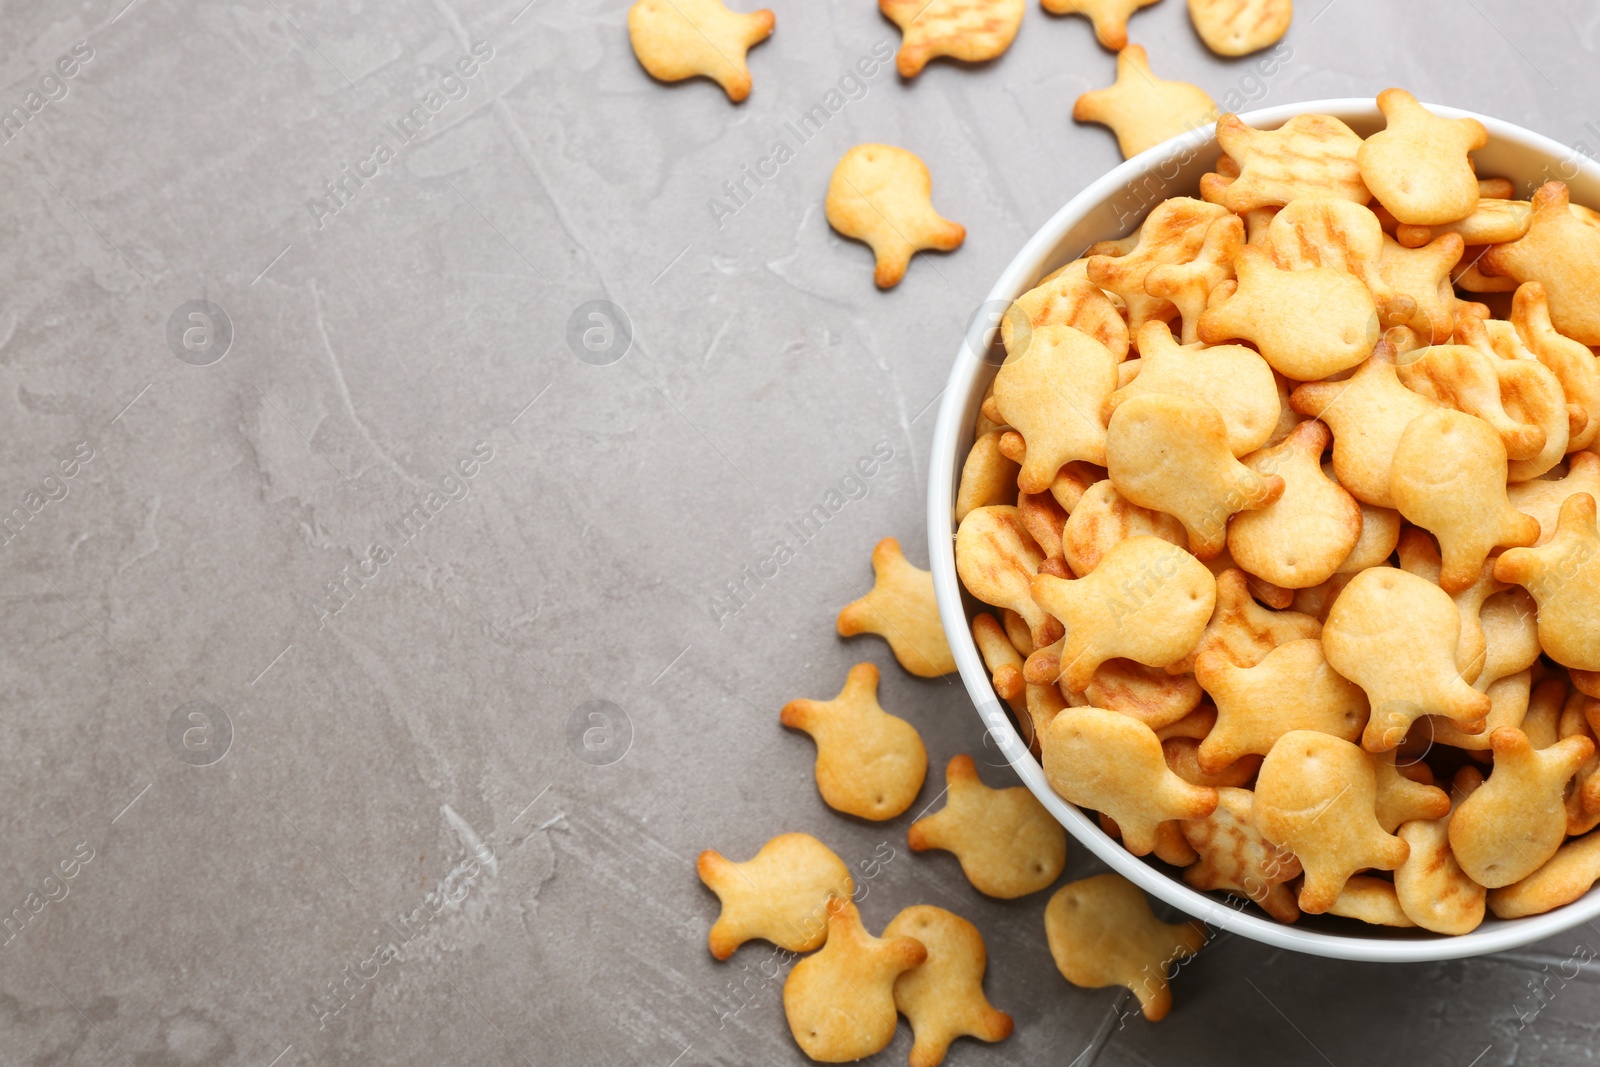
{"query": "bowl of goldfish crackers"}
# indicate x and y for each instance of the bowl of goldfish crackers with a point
(1263, 526)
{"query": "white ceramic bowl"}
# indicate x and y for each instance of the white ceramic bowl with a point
(1112, 207)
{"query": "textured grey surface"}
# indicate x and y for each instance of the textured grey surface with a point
(374, 349)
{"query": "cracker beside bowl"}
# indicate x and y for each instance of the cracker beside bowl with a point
(1109, 208)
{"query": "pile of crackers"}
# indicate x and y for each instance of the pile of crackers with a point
(1268, 587)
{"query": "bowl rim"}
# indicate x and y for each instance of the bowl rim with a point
(1025, 268)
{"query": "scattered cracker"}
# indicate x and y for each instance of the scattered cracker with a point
(869, 763)
(779, 895)
(902, 610)
(881, 194)
(969, 30)
(1008, 844)
(1110, 17)
(1239, 27)
(678, 39)
(840, 1002)
(943, 996)
(1101, 932)
(1142, 109)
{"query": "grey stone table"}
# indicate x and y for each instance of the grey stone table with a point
(320, 539)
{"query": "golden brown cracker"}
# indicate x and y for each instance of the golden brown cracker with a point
(678, 39)
(1292, 688)
(1235, 858)
(1142, 109)
(1239, 27)
(1065, 297)
(881, 195)
(869, 763)
(1189, 285)
(1542, 497)
(1309, 155)
(1492, 222)
(1302, 538)
(969, 30)
(1101, 932)
(1102, 519)
(840, 1002)
(1418, 166)
(1054, 397)
(1565, 877)
(1430, 886)
(987, 477)
(902, 610)
(1460, 500)
(1563, 576)
(1370, 900)
(943, 996)
(1573, 364)
(779, 895)
(1110, 17)
(1170, 453)
(1424, 275)
(1315, 796)
(1308, 324)
(1174, 232)
(1007, 843)
(1183, 756)
(1561, 252)
(1241, 631)
(1147, 601)
(997, 561)
(1385, 609)
(1231, 378)
(1515, 821)
(1468, 380)
(1367, 413)
(1149, 694)
(1112, 763)
(1326, 231)
(1400, 799)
